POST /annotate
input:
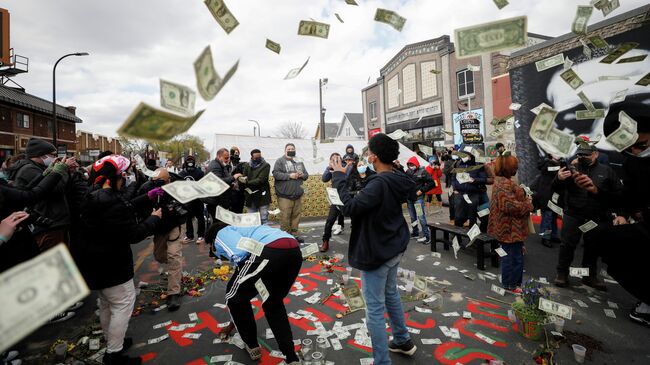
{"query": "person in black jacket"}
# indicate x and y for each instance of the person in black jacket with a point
(543, 187)
(238, 197)
(103, 253)
(377, 242)
(195, 207)
(415, 202)
(467, 190)
(358, 177)
(223, 169)
(334, 212)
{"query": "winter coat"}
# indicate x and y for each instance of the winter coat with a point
(379, 231)
(192, 174)
(436, 174)
(479, 176)
(258, 179)
(108, 229)
(543, 185)
(356, 183)
(509, 211)
(422, 179)
(224, 172)
(285, 187)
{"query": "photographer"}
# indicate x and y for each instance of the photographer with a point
(103, 254)
(581, 206)
(167, 237)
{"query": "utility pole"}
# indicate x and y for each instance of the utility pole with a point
(321, 83)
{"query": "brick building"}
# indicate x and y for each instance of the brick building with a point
(89, 145)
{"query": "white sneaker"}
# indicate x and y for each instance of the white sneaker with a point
(422, 240)
(337, 231)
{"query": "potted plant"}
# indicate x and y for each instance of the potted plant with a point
(529, 318)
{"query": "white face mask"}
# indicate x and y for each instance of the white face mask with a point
(47, 160)
(129, 179)
(644, 154)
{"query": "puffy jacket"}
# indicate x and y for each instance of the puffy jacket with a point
(379, 231)
(193, 174)
(285, 187)
(258, 179)
(108, 229)
(435, 173)
(543, 185)
(422, 179)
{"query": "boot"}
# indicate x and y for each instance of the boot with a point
(592, 281)
(325, 246)
(173, 302)
(118, 358)
(562, 280)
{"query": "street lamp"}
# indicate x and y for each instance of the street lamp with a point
(259, 130)
(54, 126)
(321, 83)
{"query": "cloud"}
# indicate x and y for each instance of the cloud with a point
(134, 43)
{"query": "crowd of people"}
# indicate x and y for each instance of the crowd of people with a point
(100, 210)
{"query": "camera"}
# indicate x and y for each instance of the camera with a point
(35, 219)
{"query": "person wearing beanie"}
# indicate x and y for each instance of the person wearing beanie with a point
(350, 154)
(103, 253)
(628, 265)
(195, 208)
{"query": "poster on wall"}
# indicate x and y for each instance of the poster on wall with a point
(468, 127)
(601, 84)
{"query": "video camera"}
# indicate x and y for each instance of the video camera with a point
(35, 219)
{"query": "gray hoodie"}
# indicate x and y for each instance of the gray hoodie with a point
(285, 187)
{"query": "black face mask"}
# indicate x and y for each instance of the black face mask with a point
(584, 162)
(291, 153)
(234, 159)
(257, 160)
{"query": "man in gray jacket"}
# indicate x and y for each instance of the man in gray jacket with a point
(289, 175)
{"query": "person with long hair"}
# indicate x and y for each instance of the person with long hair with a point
(334, 211)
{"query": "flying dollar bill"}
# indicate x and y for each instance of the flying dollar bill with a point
(583, 13)
(426, 149)
(398, 134)
(333, 197)
(185, 191)
(612, 78)
(588, 227)
(598, 41)
(491, 37)
(435, 72)
(618, 52)
(208, 81)
(391, 18)
(550, 62)
(314, 29)
(275, 47)
(585, 101)
(262, 290)
(501, 3)
(351, 2)
(338, 17)
(296, 71)
(561, 142)
(590, 114)
(151, 124)
(645, 80)
(542, 123)
(177, 97)
(238, 220)
(567, 63)
(632, 59)
(571, 78)
(610, 6)
(354, 298)
(222, 15)
(625, 135)
(34, 291)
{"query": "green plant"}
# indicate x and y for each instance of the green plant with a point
(527, 306)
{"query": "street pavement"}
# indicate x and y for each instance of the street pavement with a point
(609, 340)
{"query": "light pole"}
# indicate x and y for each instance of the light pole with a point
(259, 130)
(54, 126)
(321, 83)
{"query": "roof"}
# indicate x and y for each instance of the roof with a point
(331, 130)
(21, 98)
(356, 119)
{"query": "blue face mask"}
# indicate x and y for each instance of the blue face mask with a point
(3, 175)
(362, 169)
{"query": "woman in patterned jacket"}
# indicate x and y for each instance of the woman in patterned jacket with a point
(509, 210)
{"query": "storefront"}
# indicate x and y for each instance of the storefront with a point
(423, 123)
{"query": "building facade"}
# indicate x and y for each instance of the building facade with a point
(351, 127)
(90, 145)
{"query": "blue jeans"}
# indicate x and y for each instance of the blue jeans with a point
(381, 295)
(512, 265)
(549, 223)
(263, 210)
(422, 218)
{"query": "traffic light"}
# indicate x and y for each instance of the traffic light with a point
(4, 37)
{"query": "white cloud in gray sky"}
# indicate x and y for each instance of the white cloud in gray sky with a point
(134, 43)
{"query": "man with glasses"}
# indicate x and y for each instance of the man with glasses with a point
(581, 206)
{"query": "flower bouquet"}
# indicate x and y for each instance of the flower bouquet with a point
(529, 318)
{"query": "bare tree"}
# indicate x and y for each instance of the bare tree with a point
(132, 145)
(291, 130)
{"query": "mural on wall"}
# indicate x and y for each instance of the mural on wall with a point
(468, 127)
(602, 81)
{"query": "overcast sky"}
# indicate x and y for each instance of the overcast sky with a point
(132, 44)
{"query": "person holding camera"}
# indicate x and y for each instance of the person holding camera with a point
(580, 207)
(195, 207)
(103, 252)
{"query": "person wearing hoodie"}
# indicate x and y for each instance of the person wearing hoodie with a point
(334, 211)
(415, 202)
(350, 154)
(289, 174)
(543, 188)
(436, 173)
(378, 240)
(195, 207)
(255, 180)
(467, 190)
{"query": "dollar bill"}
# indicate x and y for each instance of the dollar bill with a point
(550, 62)
(142, 166)
(333, 197)
(645, 80)
(625, 135)
(275, 211)
(435, 72)
(500, 3)
(482, 213)
(590, 114)
(420, 284)
(474, 232)
(571, 78)
(567, 63)
(398, 134)
(610, 6)
(34, 291)
(491, 37)
(542, 123)
(314, 29)
(456, 246)
(238, 220)
(426, 149)
(560, 142)
(275, 47)
(222, 15)
(514, 106)
(581, 19)
(588, 226)
(296, 71)
(338, 17)
(309, 250)
(208, 81)
(555, 208)
(185, 191)
(612, 78)
(158, 339)
(250, 245)
(391, 18)
(351, 2)
(586, 50)
(618, 52)
(578, 272)
(497, 289)
(473, 68)
(177, 97)
(152, 124)
(620, 96)
(632, 59)
(555, 308)
(586, 102)
(354, 298)
(598, 4)
(598, 41)
(262, 290)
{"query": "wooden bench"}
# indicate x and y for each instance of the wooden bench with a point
(460, 232)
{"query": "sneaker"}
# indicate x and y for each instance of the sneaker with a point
(254, 353)
(408, 348)
(424, 240)
(415, 234)
(11, 355)
(62, 317)
(200, 240)
(173, 302)
(561, 280)
(187, 240)
(642, 318)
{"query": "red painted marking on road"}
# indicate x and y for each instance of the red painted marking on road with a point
(452, 353)
(206, 321)
(148, 356)
(334, 304)
(428, 323)
(360, 347)
(307, 285)
(462, 323)
(267, 359)
(197, 362)
(474, 307)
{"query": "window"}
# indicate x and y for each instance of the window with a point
(372, 110)
(393, 92)
(408, 84)
(347, 132)
(465, 83)
(429, 79)
(22, 120)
